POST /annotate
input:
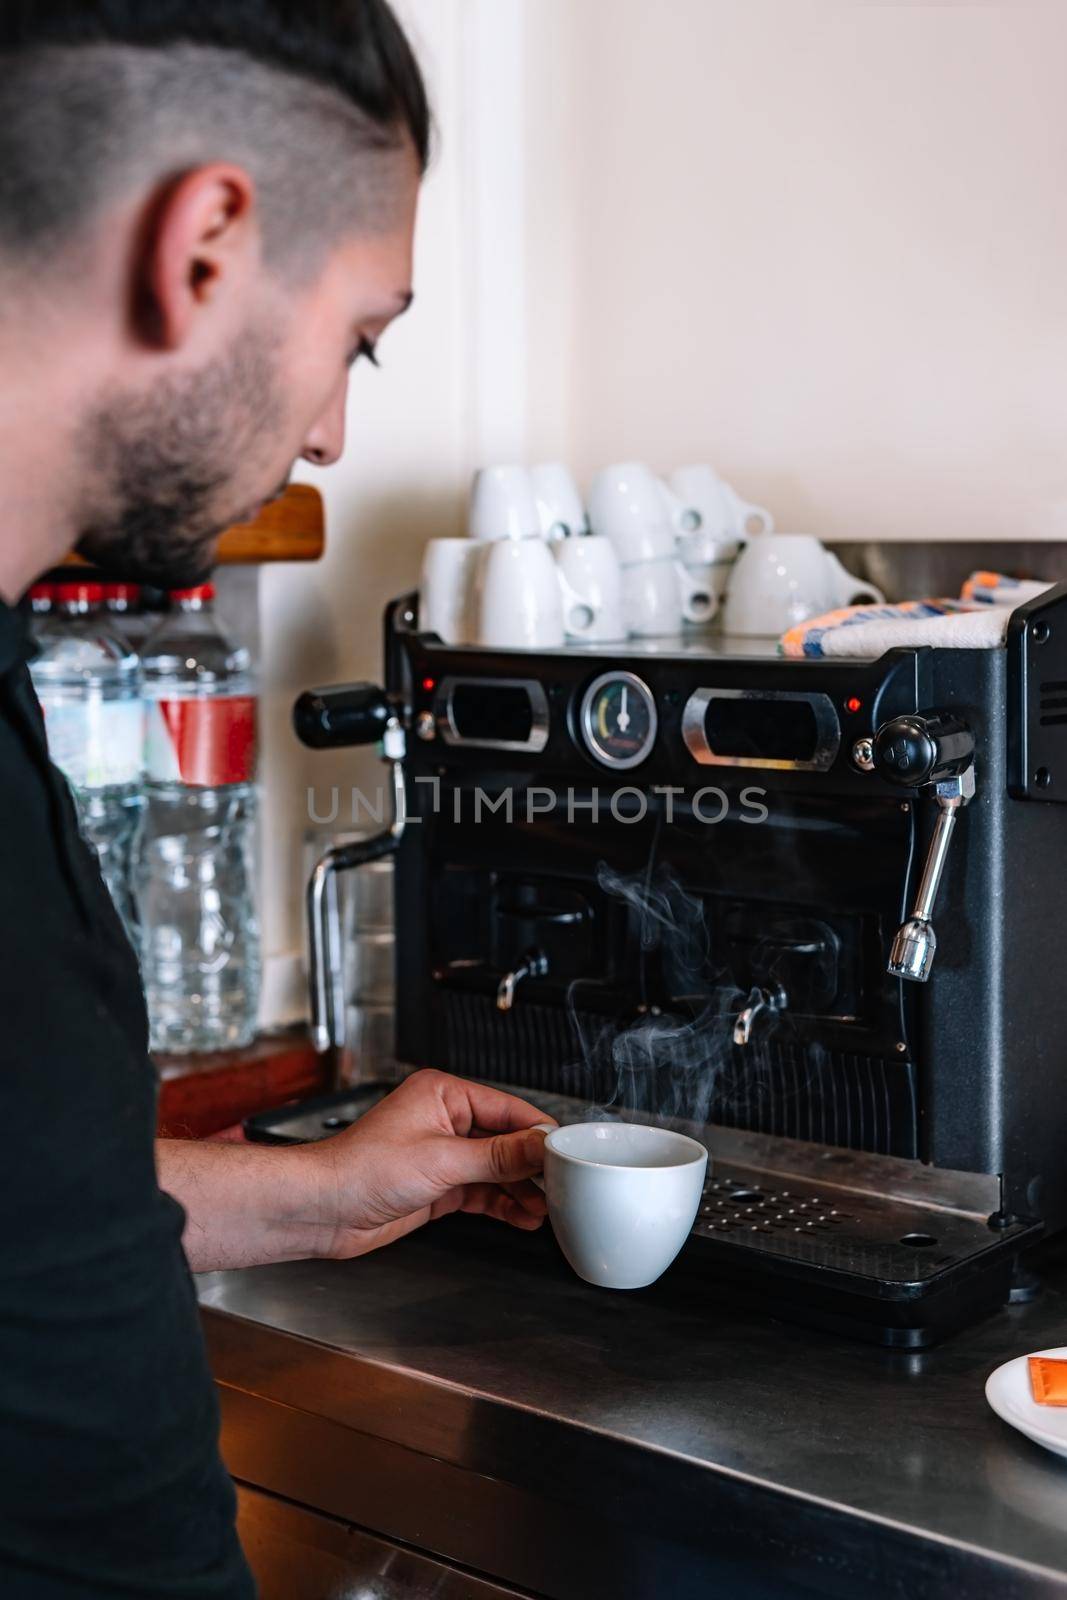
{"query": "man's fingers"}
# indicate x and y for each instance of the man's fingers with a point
(478, 1105)
(445, 1204)
(529, 1196)
(503, 1158)
(488, 1200)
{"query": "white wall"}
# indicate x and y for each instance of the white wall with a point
(451, 391)
(819, 242)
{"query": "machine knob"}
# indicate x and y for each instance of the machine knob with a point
(345, 714)
(915, 750)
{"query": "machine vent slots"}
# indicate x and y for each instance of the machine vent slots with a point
(1053, 706)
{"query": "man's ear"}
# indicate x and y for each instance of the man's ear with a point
(202, 243)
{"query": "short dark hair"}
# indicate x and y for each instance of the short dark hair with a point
(92, 90)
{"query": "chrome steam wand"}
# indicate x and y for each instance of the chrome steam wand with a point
(933, 754)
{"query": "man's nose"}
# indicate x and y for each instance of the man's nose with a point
(324, 442)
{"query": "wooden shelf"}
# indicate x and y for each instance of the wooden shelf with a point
(291, 528)
(201, 1095)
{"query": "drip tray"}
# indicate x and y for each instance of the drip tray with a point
(900, 1269)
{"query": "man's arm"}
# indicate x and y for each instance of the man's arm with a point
(245, 1204)
(437, 1144)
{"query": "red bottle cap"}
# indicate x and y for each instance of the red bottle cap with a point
(129, 592)
(42, 591)
(81, 593)
(199, 591)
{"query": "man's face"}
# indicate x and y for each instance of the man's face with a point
(175, 464)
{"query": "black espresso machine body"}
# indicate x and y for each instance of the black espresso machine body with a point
(668, 879)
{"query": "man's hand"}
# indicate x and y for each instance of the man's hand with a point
(436, 1144)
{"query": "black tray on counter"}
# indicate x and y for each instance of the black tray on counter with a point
(317, 1118)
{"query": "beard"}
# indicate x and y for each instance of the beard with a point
(163, 465)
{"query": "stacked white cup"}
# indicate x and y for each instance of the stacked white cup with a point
(536, 572)
(559, 505)
(530, 575)
(517, 598)
(642, 518)
(590, 576)
(446, 589)
(714, 523)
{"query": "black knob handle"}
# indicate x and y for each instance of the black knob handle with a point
(926, 748)
(345, 714)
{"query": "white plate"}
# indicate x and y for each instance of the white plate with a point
(1008, 1392)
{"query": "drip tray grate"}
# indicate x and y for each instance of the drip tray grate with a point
(875, 1236)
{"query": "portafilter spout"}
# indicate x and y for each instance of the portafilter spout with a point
(349, 714)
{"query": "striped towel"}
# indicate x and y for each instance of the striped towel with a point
(978, 620)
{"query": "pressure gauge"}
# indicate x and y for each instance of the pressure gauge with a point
(618, 720)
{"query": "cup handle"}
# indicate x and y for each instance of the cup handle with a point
(579, 612)
(753, 520)
(698, 604)
(749, 520)
(855, 591)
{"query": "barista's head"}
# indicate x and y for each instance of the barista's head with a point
(211, 203)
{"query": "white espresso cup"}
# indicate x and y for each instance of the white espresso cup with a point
(446, 589)
(699, 599)
(591, 584)
(651, 598)
(658, 596)
(708, 561)
(518, 600)
(503, 504)
(559, 505)
(779, 580)
(622, 1198)
(712, 506)
(636, 511)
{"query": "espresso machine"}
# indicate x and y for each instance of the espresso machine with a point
(804, 909)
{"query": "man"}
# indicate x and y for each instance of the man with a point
(206, 212)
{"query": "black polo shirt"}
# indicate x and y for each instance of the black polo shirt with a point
(110, 1479)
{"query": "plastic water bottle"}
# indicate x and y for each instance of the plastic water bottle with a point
(194, 874)
(122, 602)
(88, 682)
(42, 598)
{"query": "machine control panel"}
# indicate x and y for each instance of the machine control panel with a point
(661, 713)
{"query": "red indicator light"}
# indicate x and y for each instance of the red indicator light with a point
(429, 683)
(853, 703)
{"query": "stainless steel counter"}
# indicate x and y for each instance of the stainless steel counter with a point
(463, 1393)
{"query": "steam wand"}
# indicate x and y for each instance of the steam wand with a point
(933, 753)
(915, 944)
